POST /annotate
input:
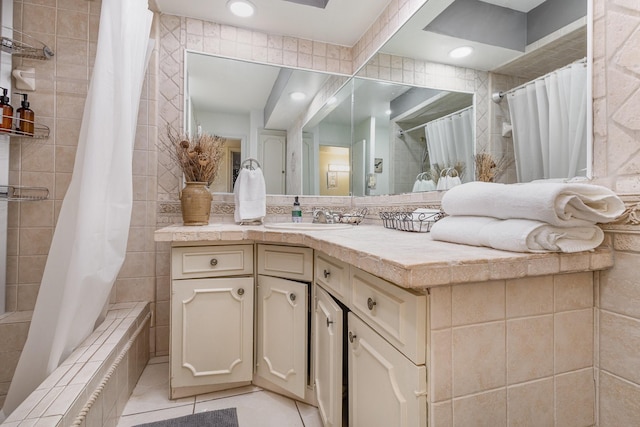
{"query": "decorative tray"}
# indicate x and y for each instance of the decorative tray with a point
(419, 222)
(354, 217)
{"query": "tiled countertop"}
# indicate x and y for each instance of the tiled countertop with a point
(410, 260)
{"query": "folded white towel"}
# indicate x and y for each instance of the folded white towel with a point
(249, 193)
(560, 204)
(516, 235)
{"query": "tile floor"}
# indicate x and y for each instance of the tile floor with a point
(255, 407)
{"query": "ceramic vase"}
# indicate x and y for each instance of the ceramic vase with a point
(195, 199)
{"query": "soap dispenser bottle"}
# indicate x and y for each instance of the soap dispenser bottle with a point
(296, 212)
(7, 112)
(25, 116)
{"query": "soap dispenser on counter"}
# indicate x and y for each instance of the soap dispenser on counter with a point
(7, 112)
(25, 117)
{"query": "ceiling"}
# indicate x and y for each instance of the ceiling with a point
(341, 22)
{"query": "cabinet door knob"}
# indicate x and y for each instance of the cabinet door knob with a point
(326, 273)
(292, 297)
(329, 322)
(371, 303)
(352, 337)
(241, 291)
(213, 262)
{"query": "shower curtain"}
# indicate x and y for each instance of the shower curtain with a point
(450, 140)
(549, 118)
(90, 238)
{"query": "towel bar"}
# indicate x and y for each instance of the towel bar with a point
(248, 163)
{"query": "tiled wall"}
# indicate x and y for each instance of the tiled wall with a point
(70, 28)
(617, 164)
(509, 352)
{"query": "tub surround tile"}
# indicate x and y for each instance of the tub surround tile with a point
(61, 396)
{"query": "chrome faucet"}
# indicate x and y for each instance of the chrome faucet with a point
(322, 217)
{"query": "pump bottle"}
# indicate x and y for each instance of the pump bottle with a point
(25, 116)
(296, 212)
(7, 112)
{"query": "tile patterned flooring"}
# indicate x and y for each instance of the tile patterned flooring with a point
(255, 407)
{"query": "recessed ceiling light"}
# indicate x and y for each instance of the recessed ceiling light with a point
(388, 112)
(461, 52)
(242, 8)
(297, 96)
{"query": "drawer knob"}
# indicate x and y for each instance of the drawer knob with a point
(292, 297)
(371, 303)
(213, 262)
(326, 273)
(352, 337)
(241, 291)
(329, 322)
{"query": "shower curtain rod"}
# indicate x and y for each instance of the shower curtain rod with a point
(497, 96)
(402, 131)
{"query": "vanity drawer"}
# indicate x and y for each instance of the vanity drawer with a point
(333, 275)
(194, 262)
(396, 314)
(289, 262)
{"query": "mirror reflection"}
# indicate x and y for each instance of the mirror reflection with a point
(250, 104)
(516, 46)
(530, 74)
(371, 139)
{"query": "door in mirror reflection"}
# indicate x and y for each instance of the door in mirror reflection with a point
(335, 177)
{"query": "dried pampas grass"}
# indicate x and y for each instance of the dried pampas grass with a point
(199, 157)
(488, 169)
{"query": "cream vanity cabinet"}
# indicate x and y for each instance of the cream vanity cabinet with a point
(212, 293)
(285, 274)
(384, 343)
(218, 319)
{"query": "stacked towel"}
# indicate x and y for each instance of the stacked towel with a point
(250, 196)
(533, 217)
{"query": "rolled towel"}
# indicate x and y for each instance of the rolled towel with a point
(560, 204)
(516, 235)
(249, 193)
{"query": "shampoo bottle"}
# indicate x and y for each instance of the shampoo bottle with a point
(26, 117)
(296, 212)
(7, 112)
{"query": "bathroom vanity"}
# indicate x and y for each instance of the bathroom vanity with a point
(379, 327)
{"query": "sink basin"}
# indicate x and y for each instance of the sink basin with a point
(305, 226)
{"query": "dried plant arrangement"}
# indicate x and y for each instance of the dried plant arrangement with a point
(488, 169)
(199, 157)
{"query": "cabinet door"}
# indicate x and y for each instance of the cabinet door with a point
(328, 358)
(385, 388)
(211, 331)
(282, 333)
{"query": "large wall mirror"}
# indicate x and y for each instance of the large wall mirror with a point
(373, 136)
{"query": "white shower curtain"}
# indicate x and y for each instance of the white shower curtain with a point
(549, 118)
(90, 239)
(450, 140)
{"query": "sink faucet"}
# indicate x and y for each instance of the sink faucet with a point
(322, 217)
